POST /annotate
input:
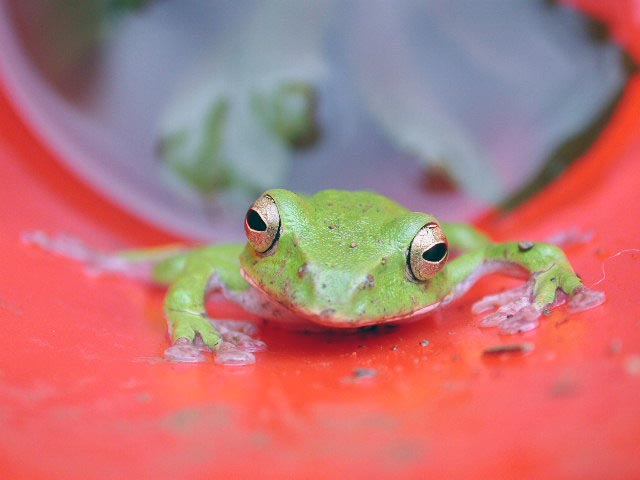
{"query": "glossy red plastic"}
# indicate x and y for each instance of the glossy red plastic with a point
(85, 393)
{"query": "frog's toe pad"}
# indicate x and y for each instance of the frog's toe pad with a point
(516, 312)
(229, 354)
(523, 320)
(184, 351)
(584, 299)
(238, 342)
(240, 335)
(489, 302)
(515, 317)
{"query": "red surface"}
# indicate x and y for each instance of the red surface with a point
(84, 392)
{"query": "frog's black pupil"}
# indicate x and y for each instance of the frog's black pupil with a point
(255, 222)
(435, 253)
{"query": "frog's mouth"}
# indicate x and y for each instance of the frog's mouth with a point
(331, 318)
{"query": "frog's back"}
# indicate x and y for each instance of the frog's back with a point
(351, 213)
(361, 201)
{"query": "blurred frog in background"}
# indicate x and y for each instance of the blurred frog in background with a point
(195, 107)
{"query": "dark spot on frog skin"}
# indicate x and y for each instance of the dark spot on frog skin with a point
(327, 312)
(302, 271)
(332, 227)
(354, 244)
(368, 282)
(525, 246)
(383, 261)
(283, 264)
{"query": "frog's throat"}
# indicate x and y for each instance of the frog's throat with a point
(332, 319)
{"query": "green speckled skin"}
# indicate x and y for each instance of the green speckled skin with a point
(341, 260)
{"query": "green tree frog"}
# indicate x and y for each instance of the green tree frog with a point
(342, 260)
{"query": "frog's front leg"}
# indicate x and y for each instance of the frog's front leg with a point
(189, 325)
(551, 280)
(191, 329)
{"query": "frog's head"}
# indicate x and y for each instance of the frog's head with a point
(343, 258)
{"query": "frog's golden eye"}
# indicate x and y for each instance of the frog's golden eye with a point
(262, 224)
(428, 252)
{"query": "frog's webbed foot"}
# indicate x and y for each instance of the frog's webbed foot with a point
(232, 342)
(489, 302)
(238, 344)
(516, 311)
(584, 299)
(184, 350)
(137, 264)
(71, 247)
